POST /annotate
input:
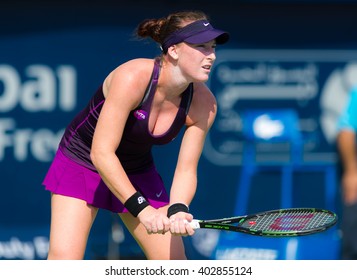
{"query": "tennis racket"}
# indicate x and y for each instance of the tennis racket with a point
(275, 223)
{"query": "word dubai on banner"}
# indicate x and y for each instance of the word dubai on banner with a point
(43, 90)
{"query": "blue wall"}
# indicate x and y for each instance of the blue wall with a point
(54, 55)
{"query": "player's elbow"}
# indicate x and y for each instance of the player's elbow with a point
(96, 156)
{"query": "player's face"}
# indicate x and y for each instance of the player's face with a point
(197, 59)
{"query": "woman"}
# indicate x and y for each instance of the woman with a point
(104, 159)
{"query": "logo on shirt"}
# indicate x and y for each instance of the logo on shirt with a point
(159, 194)
(140, 114)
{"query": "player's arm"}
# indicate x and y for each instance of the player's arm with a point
(200, 118)
(123, 93)
(124, 90)
(346, 142)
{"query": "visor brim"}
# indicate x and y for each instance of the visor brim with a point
(221, 37)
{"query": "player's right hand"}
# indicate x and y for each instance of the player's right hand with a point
(154, 220)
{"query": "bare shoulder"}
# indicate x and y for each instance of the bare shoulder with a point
(203, 108)
(135, 70)
(137, 64)
(203, 95)
(129, 81)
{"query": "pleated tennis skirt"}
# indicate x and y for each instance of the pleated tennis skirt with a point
(68, 178)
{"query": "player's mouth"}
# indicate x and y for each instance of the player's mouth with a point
(207, 67)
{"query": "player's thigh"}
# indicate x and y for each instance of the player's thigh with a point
(155, 246)
(71, 221)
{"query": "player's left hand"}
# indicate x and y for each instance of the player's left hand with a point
(179, 224)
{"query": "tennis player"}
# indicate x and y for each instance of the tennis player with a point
(104, 159)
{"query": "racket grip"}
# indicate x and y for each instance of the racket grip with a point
(195, 224)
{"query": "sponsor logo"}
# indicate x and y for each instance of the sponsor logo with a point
(140, 114)
(141, 199)
(15, 248)
(246, 254)
(159, 194)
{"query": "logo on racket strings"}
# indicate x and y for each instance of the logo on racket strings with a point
(292, 222)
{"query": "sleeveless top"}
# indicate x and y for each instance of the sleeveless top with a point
(134, 151)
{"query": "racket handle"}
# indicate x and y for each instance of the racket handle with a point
(195, 224)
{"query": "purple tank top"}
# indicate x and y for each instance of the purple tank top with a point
(134, 150)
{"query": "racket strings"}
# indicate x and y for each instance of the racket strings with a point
(320, 219)
(290, 221)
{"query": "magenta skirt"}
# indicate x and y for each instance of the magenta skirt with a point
(68, 178)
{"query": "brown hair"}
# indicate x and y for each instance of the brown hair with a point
(159, 29)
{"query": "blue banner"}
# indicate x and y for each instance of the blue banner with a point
(45, 79)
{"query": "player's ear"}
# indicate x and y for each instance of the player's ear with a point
(172, 51)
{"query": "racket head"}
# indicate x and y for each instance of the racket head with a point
(288, 222)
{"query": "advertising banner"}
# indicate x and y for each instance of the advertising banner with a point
(45, 79)
(315, 84)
